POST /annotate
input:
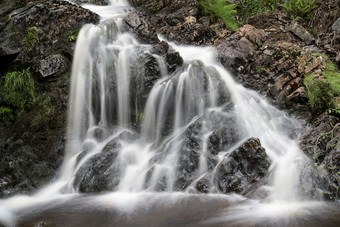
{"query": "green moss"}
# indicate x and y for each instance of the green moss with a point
(45, 110)
(17, 94)
(248, 8)
(332, 75)
(219, 9)
(319, 92)
(31, 38)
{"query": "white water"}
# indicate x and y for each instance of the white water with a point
(100, 111)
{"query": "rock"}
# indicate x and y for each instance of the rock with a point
(243, 168)
(173, 60)
(101, 172)
(144, 31)
(21, 170)
(336, 26)
(51, 24)
(96, 2)
(235, 50)
(315, 63)
(321, 143)
(36, 31)
(256, 36)
(205, 184)
(224, 136)
(53, 64)
(300, 32)
(160, 48)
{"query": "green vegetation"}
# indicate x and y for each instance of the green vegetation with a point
(31, 38)
(71, 37)
(321, 92)
(299, 8)
(219, 9)
(17, 94)
(249, 8)
(45, 110)
(260, 69)
(318, 91)
(332, 75)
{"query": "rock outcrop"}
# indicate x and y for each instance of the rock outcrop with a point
(39, 35)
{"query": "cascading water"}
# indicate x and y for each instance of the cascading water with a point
(151, 137)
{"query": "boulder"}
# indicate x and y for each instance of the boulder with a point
(300, 32)
(242, 168)
(101, 172)
(136, 23)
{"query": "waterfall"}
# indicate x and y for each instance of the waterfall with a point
(143, 138)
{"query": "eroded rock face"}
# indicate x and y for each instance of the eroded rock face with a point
(37, 31)
(101, 172)
(243, 167)
(138, 25)
(321, 142)
(40, 35)
(241, 171)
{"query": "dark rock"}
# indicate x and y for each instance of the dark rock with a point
(231, 51)
(53, 64)
(321, 142)
(242, 168)
(300, 32)
(205, 184)
(173, 60)
(96, 2)
(160, 48)
(21, 170)
(47, 22)
(240, 47)
(51, 23)
(101, 172)
(138, 24)
(224, 136)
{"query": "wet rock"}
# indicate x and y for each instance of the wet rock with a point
(242, 168)
(96, 2)
(224, 135)
(145, 71)
(53, 26)
(321, 143)
(300, 32)
(144, 31)
(173, 60)
(101, 171)
(160, 48)
(21, 170)
(205, 184)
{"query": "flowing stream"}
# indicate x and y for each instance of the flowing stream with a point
(141, 138)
